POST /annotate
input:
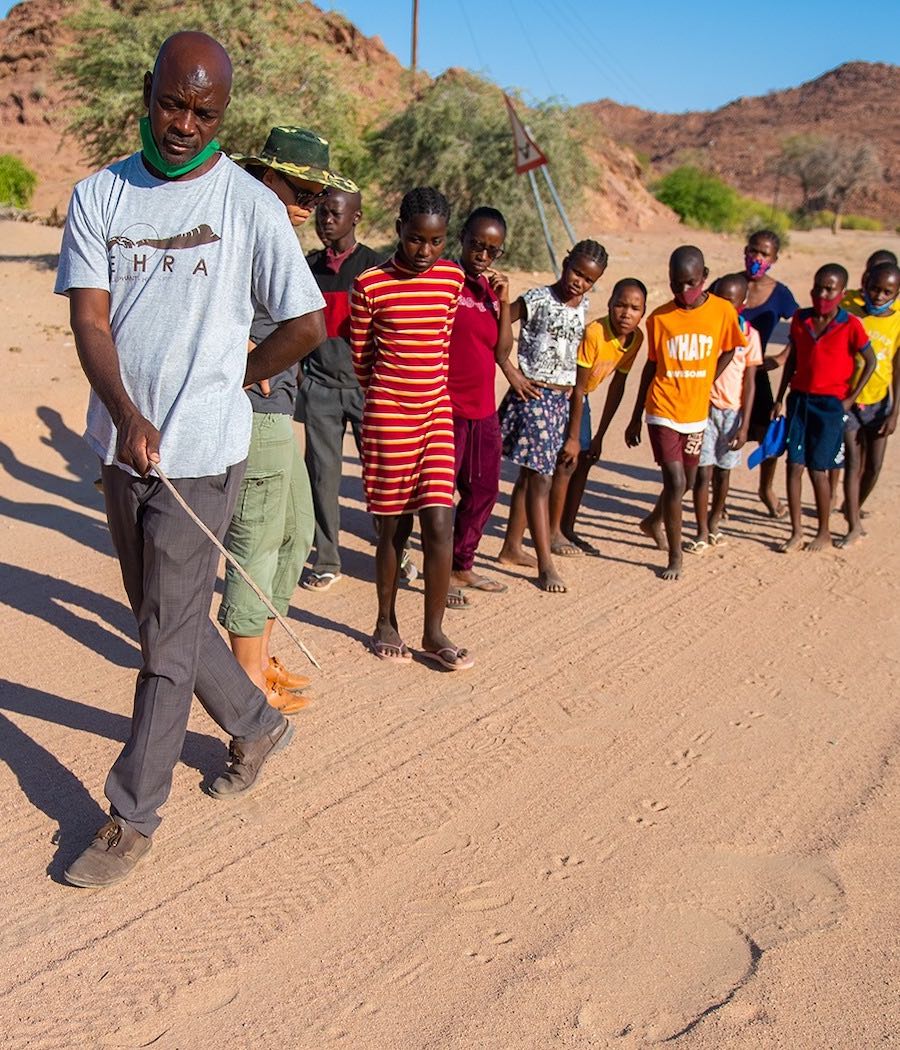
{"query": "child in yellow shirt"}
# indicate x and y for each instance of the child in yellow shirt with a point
(873, 417)
(609, 348)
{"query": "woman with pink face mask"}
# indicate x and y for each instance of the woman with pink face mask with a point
(768, 302)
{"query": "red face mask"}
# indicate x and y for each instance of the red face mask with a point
(688, 296)
(822, 306)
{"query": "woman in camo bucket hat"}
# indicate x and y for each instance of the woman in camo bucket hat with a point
(294, 163)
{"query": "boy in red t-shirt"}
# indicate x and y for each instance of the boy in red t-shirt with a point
(824, 342)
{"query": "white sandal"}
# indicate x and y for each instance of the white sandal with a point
(321, 581)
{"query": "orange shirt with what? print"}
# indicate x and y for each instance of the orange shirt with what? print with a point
(685, 346)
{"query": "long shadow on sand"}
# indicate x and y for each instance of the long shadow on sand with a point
(49, 785)
(46, 598)
(50, 261)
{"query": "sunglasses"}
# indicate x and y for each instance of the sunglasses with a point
(477, 248)
(305, 198)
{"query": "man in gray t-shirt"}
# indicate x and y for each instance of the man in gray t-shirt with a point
(163, 256)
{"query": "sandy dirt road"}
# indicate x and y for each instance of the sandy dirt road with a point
(653, 812)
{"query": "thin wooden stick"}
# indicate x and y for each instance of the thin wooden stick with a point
(233, 561)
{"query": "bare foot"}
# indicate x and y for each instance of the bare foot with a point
(852, 537)
(436, 642)
(673, 570)
(387, 633)
(819, 542)
(773, 505)
(583, 545)
(793, 543)
(562, 547)
(551, 582)
(466, 579)
(516, 556)
(656, 531)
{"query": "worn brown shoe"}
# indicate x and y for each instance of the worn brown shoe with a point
(285, 702)
(277, 674)
(115, 852)
(246, 758)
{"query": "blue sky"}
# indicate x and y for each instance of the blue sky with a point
(651, 53)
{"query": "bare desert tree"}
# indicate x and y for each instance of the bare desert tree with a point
(829, 171)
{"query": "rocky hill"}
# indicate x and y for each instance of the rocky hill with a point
(855, 102)
(33, 113)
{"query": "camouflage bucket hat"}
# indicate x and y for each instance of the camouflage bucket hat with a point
(300, 153)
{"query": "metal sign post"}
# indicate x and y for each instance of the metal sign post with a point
(539, 204)
(528, 157)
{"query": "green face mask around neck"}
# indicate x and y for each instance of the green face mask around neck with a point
(154, 157)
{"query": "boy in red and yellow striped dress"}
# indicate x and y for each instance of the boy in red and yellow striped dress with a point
(400, 321)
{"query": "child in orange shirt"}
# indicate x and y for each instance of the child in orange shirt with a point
(690, 341)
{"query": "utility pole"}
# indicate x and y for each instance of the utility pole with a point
(415, 43)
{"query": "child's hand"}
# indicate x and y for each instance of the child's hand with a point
(888, 426)
(522, 386)
(739, 440)
(633, 433)
(570, 451)
(499, 283)
(595, 451)
(776, 410)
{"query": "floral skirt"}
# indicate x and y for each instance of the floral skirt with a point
(534, 431)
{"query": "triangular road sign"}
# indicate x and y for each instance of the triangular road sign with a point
(528, 156)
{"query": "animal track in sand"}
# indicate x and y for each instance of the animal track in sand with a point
(494, 941)
(447, 839)
(651, 807)
(561, 867)
(483, 896)
(747, 722)
(684, 759)
(703, 737)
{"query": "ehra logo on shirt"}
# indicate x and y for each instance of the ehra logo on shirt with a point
(135, 253)
(690, 347)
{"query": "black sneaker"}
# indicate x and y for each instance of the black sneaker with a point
(112, 856)
(246, 759)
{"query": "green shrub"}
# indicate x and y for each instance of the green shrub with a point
(815, 220)
(703, 200)
(17, 182)
(699, 199)
(861, 222)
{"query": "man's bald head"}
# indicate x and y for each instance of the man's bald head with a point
(191, 54)
(186, 96)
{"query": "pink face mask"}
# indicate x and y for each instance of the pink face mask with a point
(688, 296)
(822, 306)
(755, 267)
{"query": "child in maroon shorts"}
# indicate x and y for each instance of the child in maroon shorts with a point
(690, 341)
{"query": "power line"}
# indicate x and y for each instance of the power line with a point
(532, 48)
(465, 14)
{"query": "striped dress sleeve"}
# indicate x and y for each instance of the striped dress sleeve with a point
(362, 338)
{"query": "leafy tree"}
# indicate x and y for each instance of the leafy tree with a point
(275, 82)
(456, 137)
(17, 182)
(829, 171)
